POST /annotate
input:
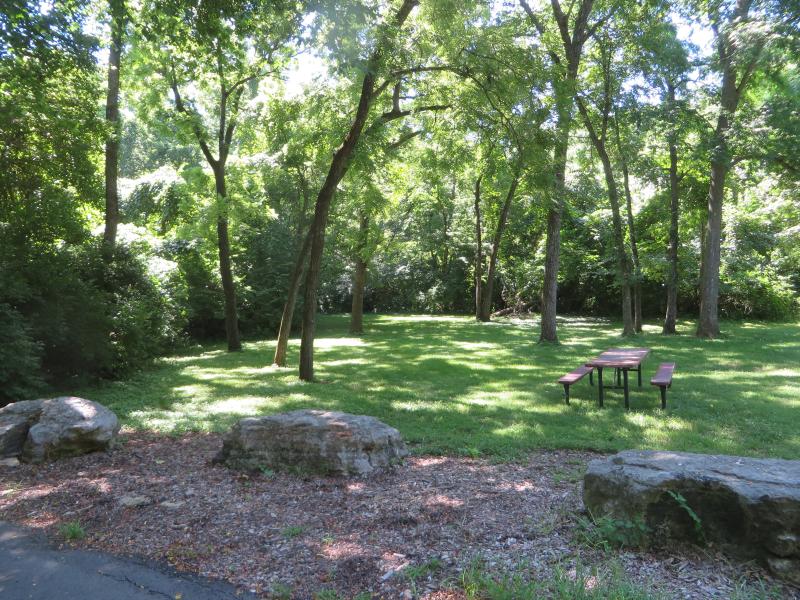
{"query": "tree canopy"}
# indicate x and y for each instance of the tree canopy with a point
(632, 160)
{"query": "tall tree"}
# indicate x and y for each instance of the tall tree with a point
(117, 16)
(223, 46)
(636, 287)
(737, 57)
(574, 30)
(663, 60)
(383, 43)
(598, 134)
(671, 315)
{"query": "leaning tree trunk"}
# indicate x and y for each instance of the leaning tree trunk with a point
(116, 10)
(285, 329)
(672, 251)
(486, 305)
(478, 252)
(225, 269)
(338, 167)
(295, 277)
(359, 279)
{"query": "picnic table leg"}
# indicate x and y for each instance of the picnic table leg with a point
(639, 371)
(566, 392)
(600, 384)
(625, 385)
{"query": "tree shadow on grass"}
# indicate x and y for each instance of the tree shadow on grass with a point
(452, 385)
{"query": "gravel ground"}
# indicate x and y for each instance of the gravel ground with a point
(405, 533)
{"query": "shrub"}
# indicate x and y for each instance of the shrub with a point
(20, 358)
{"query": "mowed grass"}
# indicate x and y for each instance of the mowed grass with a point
(454, 386)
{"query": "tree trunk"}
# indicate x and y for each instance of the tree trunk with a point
(486, 306)
(116, 11)
(708, 322)
(285, 329)
(291, 300)
(572, 43)
(359, 279)
(548, 331)
(478, 252)
(672, 252)
(637, 269)
(225, 270)
(623, 266)
(338, 167)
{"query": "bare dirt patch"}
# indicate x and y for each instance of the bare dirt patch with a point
(404, 533)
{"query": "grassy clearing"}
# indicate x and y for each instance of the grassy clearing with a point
(451, 385)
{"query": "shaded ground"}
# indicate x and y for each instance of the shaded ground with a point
(456, 387)
(32, 569)
(410, 532)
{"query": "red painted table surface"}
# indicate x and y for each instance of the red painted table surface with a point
(620, 358)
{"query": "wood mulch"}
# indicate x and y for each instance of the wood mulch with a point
(405, 533)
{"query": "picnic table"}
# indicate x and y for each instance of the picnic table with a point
(623, 360)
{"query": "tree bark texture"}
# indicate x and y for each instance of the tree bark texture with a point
(359, 278)
(671, 315)
(117, 13)
(337, 169)
(478, 251)
(488, 293)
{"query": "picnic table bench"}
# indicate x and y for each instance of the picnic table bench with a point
(575, 376)
(663, 379)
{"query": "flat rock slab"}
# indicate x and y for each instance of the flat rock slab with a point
(38, 430)
(315, 441)
(32, 569)
(747, 506)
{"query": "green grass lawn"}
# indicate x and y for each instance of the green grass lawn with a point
(451, 385)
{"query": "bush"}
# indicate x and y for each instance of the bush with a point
(760, 294)
(263, 265)
(20, 358)
(69, 312)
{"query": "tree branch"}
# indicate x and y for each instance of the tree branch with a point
(181, 107)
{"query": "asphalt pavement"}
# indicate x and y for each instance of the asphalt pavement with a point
(32, 568)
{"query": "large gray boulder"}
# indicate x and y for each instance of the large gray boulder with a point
(37, 430)
(748, 507)
(315, 441)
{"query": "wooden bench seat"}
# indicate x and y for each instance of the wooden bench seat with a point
(663, 379)
(575, 376)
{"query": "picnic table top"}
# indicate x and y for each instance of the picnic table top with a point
(620, 358)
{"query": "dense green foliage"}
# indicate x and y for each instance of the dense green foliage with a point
(454, 386)
(459, 143)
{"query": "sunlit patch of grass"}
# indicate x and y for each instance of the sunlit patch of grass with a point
(449, 383)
